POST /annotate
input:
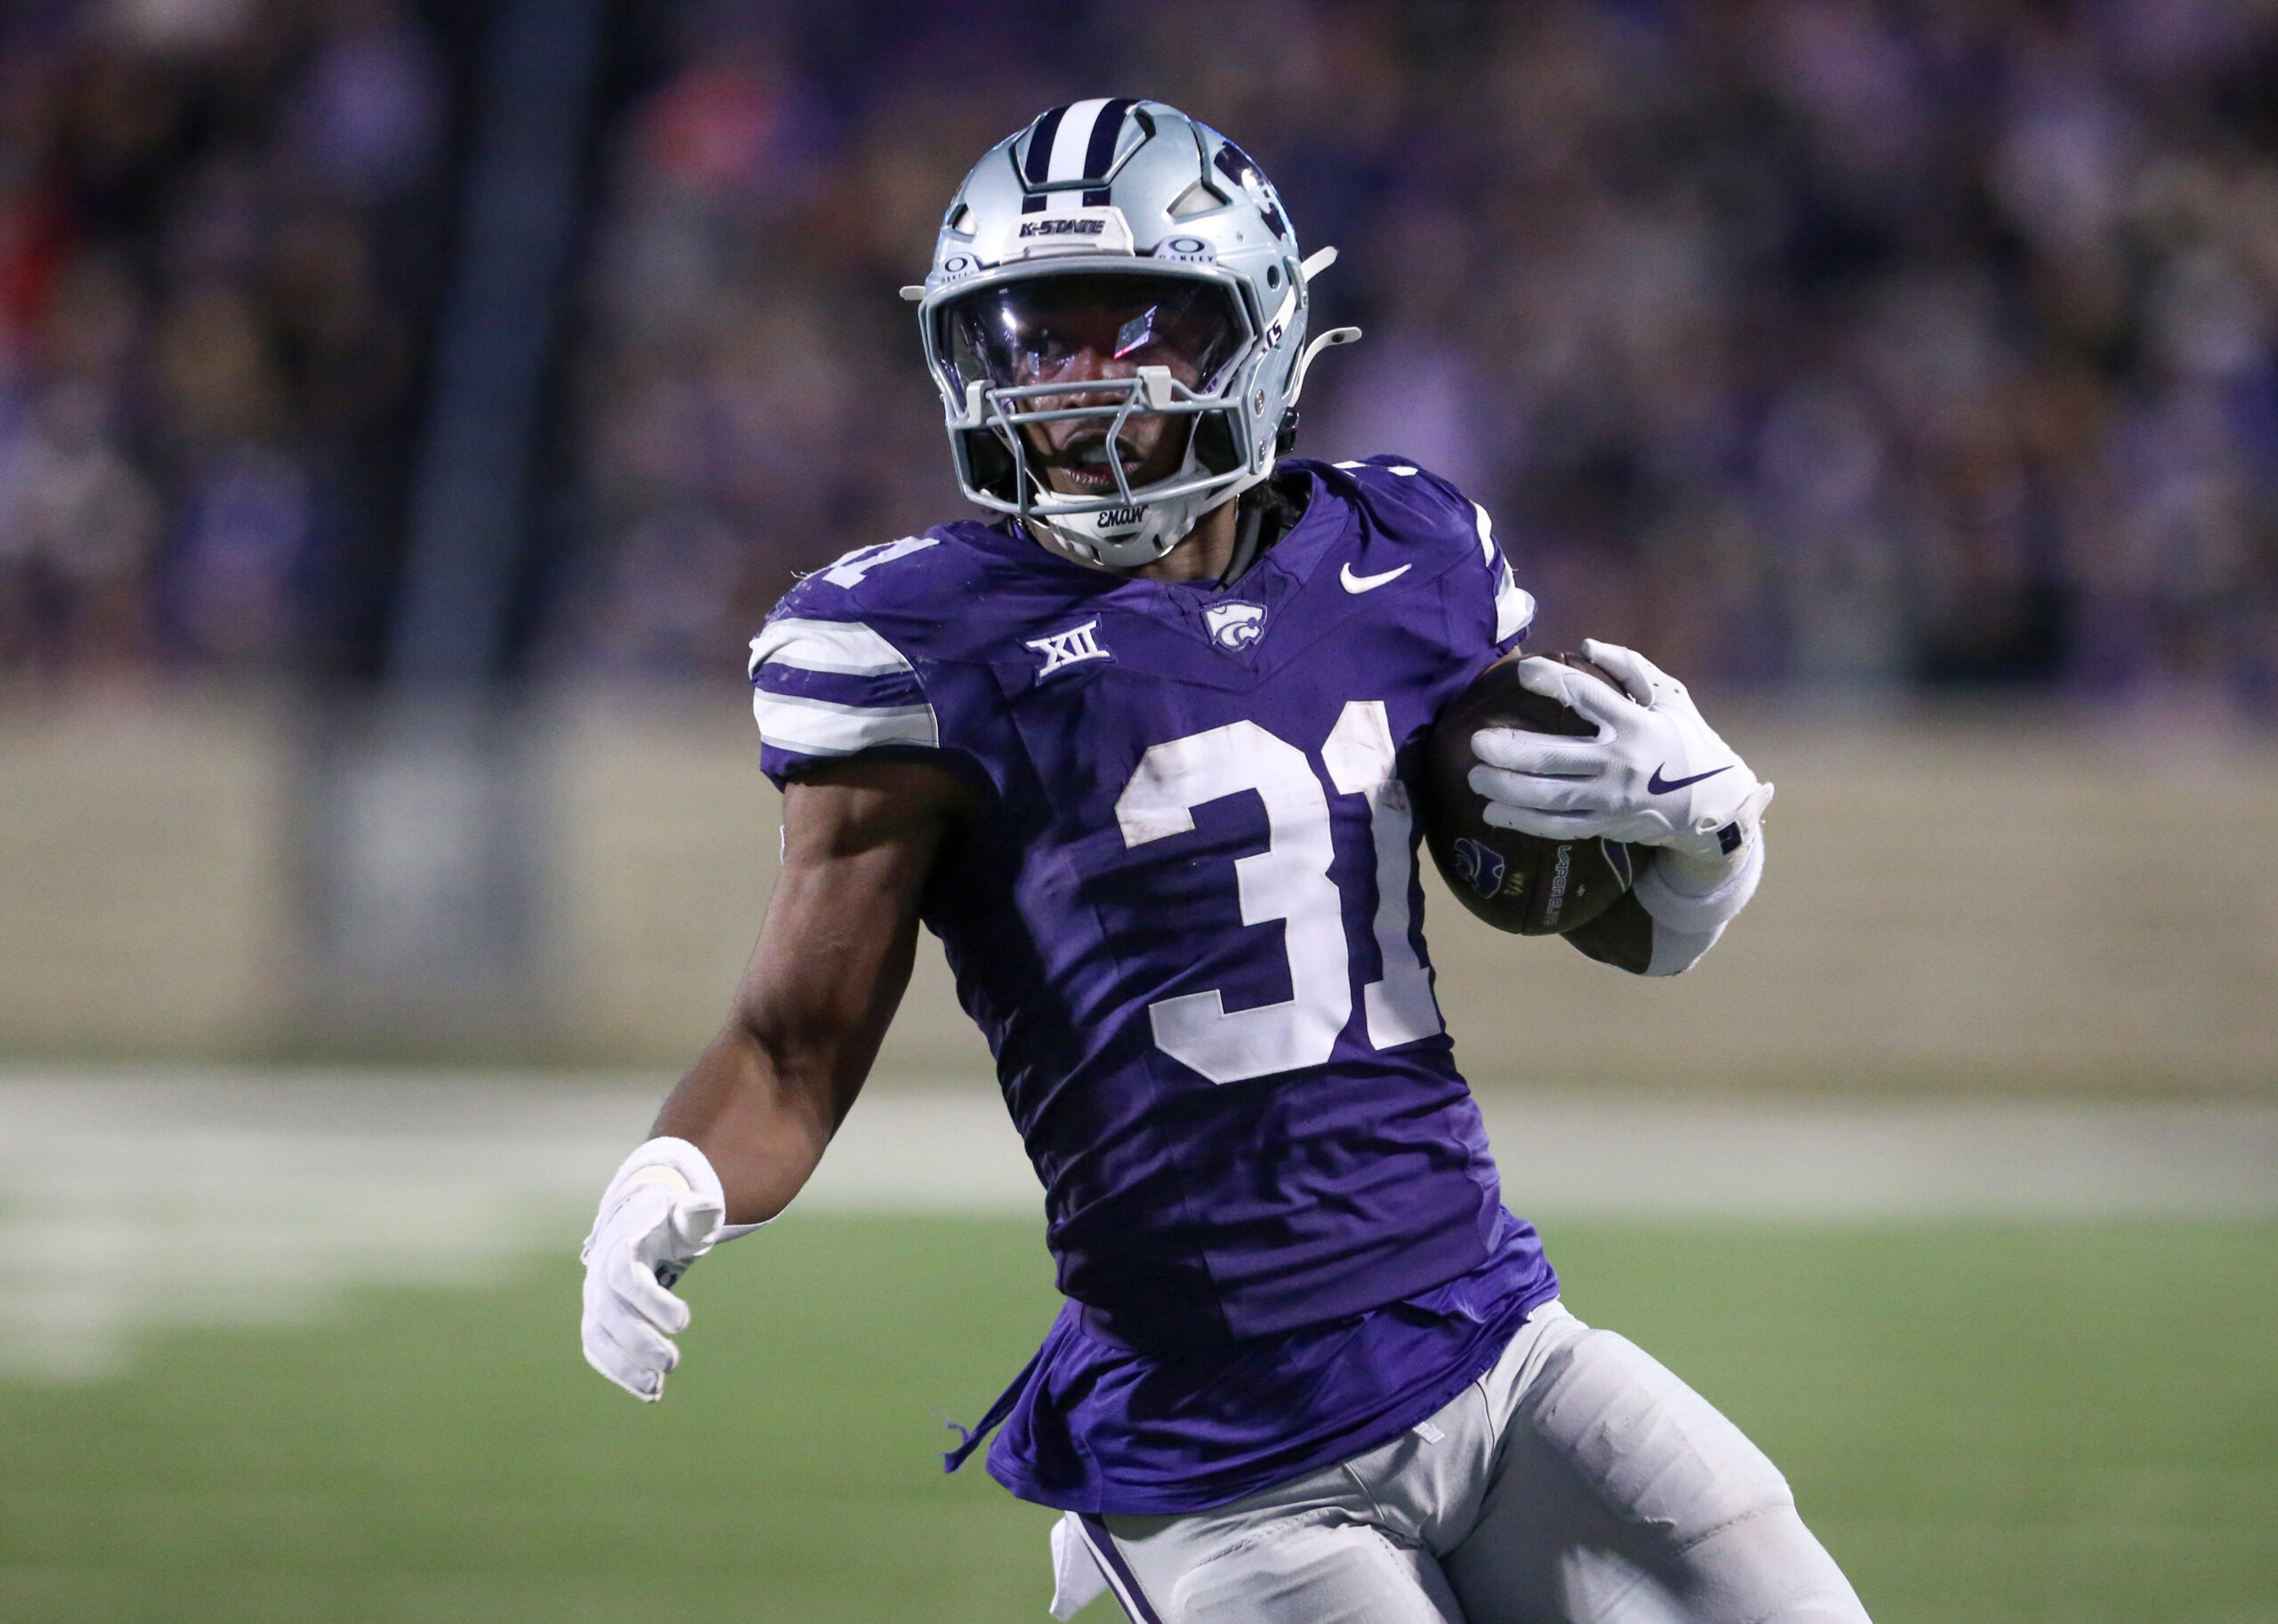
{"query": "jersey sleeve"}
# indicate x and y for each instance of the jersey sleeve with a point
(1511, 604)
(1485, 598)
(822, 689)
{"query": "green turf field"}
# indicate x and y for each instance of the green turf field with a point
(2018, 1423)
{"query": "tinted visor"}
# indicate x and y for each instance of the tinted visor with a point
(1071, 330)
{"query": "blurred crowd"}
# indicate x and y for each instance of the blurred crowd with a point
(1824, 342)
(216, 219)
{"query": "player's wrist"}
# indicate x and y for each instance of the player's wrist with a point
(1719, 820)
(684, 1174)
(674, 1163)
(1695, 874)
(1696, 895)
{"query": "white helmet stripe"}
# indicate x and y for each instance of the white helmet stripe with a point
(1071, 143)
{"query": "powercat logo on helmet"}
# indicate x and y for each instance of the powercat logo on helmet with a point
(1235, 164)
(1062, 226)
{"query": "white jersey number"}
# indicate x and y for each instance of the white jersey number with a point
(1359, 756)
(851, 567)
(1289, 881)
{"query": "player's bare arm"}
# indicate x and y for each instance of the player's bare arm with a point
(744, 1130)
(833, 956)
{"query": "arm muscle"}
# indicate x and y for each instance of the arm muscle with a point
(833, 959)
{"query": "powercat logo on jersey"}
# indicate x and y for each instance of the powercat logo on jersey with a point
(1235, 625)
(1059, 649)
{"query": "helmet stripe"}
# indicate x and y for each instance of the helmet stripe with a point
(1041, 137)
(1073, 136)
(1099, 153)
(1075, 143)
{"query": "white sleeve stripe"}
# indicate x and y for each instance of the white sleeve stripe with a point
(817, 727)
(1514, 607)
(1486, 527)
(846, 647)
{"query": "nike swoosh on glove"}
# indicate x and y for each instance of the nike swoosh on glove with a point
(1655, 775)
(662, 1212)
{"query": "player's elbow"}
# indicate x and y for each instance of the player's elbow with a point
(779, 1042)
(814, 1052)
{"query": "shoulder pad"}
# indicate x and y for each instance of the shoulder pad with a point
(1396, 480)
(955, 594)
(1417, 506)
(885, 574)
(1410, 504)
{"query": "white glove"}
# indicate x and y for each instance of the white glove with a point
(661, 1213)
(1655, 775)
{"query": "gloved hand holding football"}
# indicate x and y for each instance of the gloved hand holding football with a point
(1656, 774)
(1527, 885)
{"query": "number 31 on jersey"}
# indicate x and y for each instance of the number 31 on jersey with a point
(1289, 881)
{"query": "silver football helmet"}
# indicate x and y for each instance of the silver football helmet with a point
(1126, 231)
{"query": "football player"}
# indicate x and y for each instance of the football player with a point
(1138, 752)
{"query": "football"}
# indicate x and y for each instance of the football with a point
(1524, 883)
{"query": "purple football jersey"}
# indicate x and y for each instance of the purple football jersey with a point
(1190, 924)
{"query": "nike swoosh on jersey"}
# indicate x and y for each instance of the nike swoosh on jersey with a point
(1657, 785)
(1370, 583)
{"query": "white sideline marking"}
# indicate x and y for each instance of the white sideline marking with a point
(132, 1203)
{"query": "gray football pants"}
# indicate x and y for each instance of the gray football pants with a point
(1578, 1481)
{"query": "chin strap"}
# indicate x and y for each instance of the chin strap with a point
(1269, 511)
(1248, 524)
